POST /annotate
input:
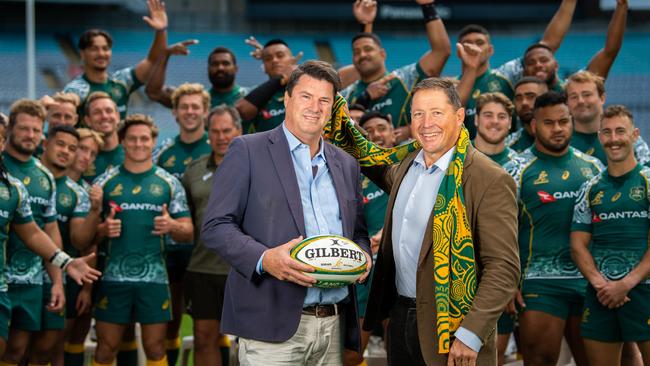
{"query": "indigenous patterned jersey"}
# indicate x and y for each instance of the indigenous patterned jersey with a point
(137, 255)
(615, 211)
(23, 265)
(589, 144)
(489, 82)
(119, 86)
(14, 208)
(375, 201)
(105, 160)
(547, 187)
(520, 140)
(174, 155)
(72, 201)
(397, 101)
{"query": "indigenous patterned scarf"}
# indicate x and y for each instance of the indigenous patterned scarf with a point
(454, 265)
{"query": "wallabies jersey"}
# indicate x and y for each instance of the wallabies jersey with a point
(104, 161)
(547, 187)
(137, 255)
(615, 211)
(23, 265)
(72, 201)
(174, 155)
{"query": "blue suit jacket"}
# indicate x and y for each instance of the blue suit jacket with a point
(255, 205)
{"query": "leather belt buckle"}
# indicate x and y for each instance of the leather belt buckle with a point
(321, 311)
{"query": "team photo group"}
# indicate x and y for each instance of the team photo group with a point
(484, 218)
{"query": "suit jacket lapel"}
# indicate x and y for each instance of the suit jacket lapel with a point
(283, 163)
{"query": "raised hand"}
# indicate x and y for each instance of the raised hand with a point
(279, 264)
(113, 225)
(256, 53)
(469, 54)
(379, 88)
(365, 11)
(181, 48)
(157, 18)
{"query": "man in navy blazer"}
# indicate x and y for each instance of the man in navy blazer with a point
(273, 189)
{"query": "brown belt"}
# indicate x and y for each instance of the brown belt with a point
(321, 311)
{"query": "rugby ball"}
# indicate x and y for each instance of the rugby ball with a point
(337, 261)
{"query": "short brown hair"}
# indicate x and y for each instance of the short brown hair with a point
(443, 84)
(588, 77)
(190, 89)
(71, 98)
(134, 120)
(30, 107)
(618, 110)
(87, 132)
(319, 70)
(96, 96)
(496, 97)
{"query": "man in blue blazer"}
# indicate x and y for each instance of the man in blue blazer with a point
(273, 189)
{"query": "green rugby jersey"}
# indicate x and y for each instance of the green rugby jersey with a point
(589, 144)
(14, 208)
(174, 155)
(615, 211)
(138, 255)
(72, 201)
(104, 161)
(23, 265)
(547, 187)
(375, 201)
(119, 85)
(489, 82)
(228, 98)
(503, 157)
(269, 117)
(520, 140)
(397, 101)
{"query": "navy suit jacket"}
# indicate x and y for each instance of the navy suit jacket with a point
(255, 205)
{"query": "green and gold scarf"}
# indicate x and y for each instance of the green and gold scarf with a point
(454, 265)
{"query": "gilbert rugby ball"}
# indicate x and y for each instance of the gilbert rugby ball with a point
(337, 261)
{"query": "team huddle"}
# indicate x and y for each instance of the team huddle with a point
(102, 221)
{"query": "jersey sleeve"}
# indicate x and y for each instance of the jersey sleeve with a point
(50, 210)
(178, 204)
(515, 168)
(128, 78)
(23, 209)
(347, 92)
(641, 151)
(410, 75)
(82, 208)
(582, 215)
(512, 70)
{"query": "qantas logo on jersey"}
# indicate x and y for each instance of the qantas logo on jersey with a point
(268, 114)
(546, 197)
(39, 200)
(619, 215)
(372, 195)
(124, 206)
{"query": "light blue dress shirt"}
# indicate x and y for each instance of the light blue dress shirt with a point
(411, 214)
(320, 207)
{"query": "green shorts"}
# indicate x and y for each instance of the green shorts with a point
(50, 320)
(72, 290)
(128, 302)
(562, 298)
(629, 323)
(26, 303)
(178, 258)
(506, 324)
(5, 315)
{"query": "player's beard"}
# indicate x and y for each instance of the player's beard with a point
(222, 80)
(554, 147)
(18, 147)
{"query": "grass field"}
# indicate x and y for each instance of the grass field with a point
(186, 330)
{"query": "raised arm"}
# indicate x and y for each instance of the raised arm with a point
(157, 20)
(603, 60)
(155, 88)
(434, 60)
(559, 25)
(469, 55)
